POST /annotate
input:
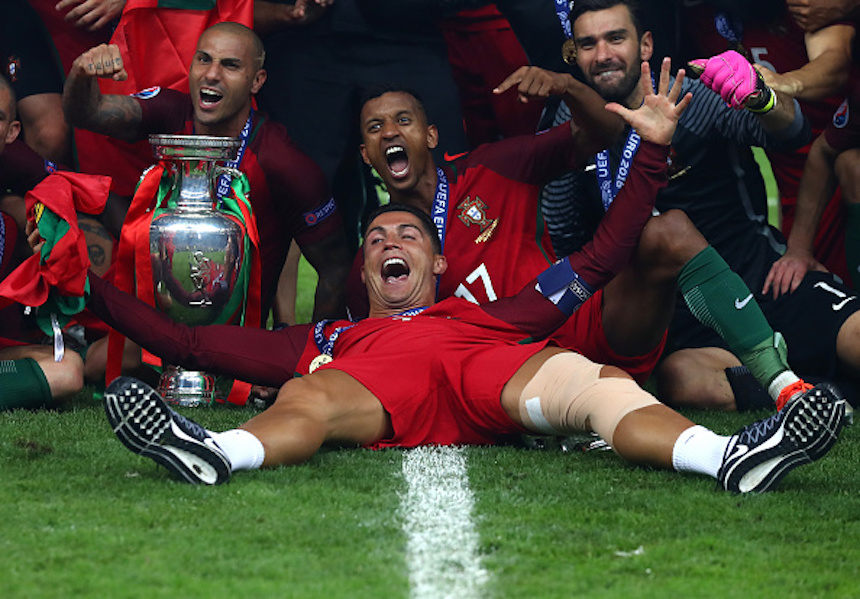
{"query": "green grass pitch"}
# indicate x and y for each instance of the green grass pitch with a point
(83, 517)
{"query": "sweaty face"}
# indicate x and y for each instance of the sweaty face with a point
(609, 53)
(400, 264)
(397, 140)
(222, 77)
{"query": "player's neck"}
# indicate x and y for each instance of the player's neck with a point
(230, 128)
(420, 196)
(635, 99)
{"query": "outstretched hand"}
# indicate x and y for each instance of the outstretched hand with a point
(655, 120)
(102, 61)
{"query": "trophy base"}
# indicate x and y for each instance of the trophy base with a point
(187, 388)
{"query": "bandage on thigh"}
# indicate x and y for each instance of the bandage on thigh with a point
(567, 395)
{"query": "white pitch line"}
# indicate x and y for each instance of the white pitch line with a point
(441, 539)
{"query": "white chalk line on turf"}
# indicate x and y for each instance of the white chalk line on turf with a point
(441, 539)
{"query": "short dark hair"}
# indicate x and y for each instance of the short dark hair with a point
(375, 91)
(426, 223)
(580, 7)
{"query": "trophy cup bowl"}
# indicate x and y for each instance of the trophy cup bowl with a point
(196, 251)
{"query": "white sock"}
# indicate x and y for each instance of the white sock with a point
(781, 382)
(244, 450)
(699, 450)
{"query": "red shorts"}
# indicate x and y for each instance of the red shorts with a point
(584, 333)
(439, 388)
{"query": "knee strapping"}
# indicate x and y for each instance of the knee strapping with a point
(567, 395)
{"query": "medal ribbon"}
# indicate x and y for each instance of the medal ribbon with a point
(608, 187)
(440, 212)
(326, 345)
(440, 206)
(562, 9)
(224, 181)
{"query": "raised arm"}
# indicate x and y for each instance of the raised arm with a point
(86, 107)
(258, 356)
(738, 83)
(817, 185)
(812, 15)
(592, 127)
(826, 73)
(555, 294)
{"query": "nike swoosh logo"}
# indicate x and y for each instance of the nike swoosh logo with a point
(840, 305)
(450, 158)
(739, 304)
(737, 452)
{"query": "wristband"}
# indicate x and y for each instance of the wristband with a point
(764, 105)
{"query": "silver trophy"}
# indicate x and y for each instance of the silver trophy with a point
(196, 251)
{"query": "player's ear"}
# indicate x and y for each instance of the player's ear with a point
(13, 131)
(646, 46)
(440, 264)
(432, 136)
(363, 150)
(259, 80)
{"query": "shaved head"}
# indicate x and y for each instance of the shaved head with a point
(257, 50)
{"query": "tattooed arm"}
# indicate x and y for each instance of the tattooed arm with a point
(87, 108)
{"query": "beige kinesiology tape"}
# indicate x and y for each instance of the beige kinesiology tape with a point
(567, 395)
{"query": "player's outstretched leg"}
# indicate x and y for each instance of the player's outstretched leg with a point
(760, 454)
(149, 427)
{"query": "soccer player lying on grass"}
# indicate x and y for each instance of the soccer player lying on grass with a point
(415, 373)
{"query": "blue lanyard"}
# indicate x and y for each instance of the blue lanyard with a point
(609, 188)
(225, 179)
(440, 213)
(325, 345)
(440, 206)
(562, 9)
(731, 29)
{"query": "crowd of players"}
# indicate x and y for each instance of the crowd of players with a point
(709, 307)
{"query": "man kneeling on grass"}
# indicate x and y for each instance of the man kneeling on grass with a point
(418, 373)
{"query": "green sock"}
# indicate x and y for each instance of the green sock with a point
(720, 299)
(23, 385)
(852, 243)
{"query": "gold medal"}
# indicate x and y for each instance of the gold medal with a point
(568, 51)
(319, 361)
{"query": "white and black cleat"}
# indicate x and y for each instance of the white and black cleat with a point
(149, 427)
(762, 453)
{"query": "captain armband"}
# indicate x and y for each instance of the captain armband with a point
(563, 287)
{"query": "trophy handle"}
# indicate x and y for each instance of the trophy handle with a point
(218, 170)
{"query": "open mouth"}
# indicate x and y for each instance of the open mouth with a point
(209, 98)
(394, 269)
(398, 161)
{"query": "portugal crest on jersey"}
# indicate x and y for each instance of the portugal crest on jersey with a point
(474, 211)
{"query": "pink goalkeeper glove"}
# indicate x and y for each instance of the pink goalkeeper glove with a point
(730, 75)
